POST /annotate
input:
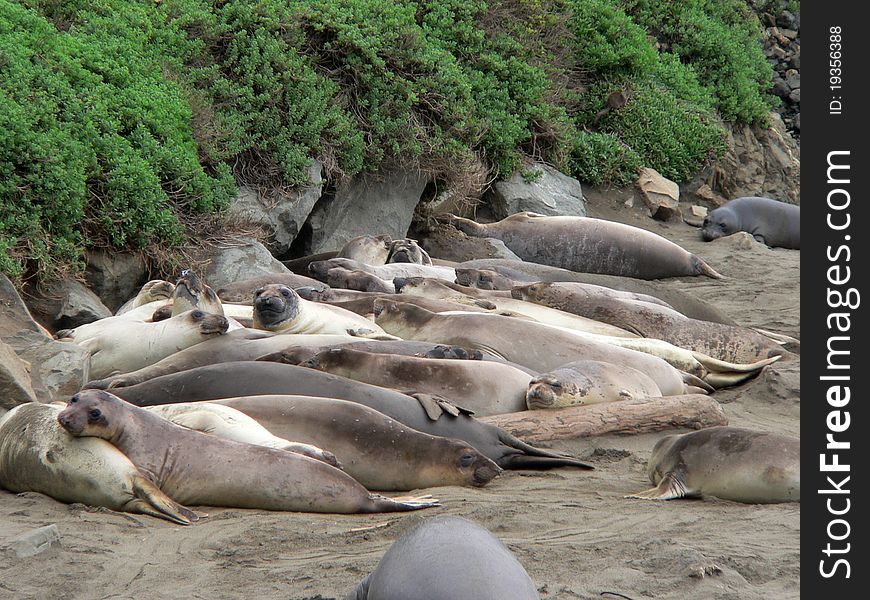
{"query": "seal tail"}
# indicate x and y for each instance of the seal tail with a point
(534, 458)
(693, 380)
(702, 268)
(720, 366)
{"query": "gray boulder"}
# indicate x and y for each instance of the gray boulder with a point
(281, 213)
(370, 204)
(56, 367)
(538, 188)
(115, 276)
(66, 304)
(244, 258)
(15, 386)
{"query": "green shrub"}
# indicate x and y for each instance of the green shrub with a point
(600, 158)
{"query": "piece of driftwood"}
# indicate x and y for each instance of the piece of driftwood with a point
(642, 415)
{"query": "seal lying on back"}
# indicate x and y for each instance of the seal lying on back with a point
(447, 558)
(37, 455)
(423, 413)
(727, 462)
(769, 221)
(202, 469)
(588, 382)
(590, 245)
(379, 452)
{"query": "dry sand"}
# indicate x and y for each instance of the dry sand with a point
(572, 530)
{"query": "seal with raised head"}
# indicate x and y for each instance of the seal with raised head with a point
(730, 463)
(590, 245)
(379, 452)
(447, 558)
(279, 309)
(38, 455)
(423, 412)
(368, 249)
(191, 292)
(242, 292)
(154, 290)
(484, 387)
(201, 469)
(588, 382)
(408, 251)
(774, 223)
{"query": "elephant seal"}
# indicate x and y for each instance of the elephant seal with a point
(514, 273)
(201, 469)
(543, 348)
(728, 343)
(590, 245)
(727, 462)
(368, 249)
(130, 346)
(228, 423)
(379, 452)
(422, 412)
(408, 251)
(774, 223)
(240, 344)
(242, 292)
(447, 558)
(156, 289)
(346, 279)
(191, 293)
(279, 309)
(38, 455)
(483, 387)
(588, 382)
(386, 272)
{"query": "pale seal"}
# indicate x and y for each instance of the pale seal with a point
(38, 455)
(408, 251)
(588, 382)
(200, 469)
(447, 558)
(590, 245)
(730, 463)
(357, 280)
(156, 289)
(368, 249)
(386, 272)
(191, 292)
(769, 221)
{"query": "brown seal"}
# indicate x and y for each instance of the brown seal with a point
(200, 469)
(242, 292)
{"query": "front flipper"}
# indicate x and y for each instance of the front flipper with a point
(150, 500)
(669, 488)
(371, 334)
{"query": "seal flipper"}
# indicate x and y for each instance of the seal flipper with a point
(534, 458)
(669, 488)
(702, 268)
(435, 405)
(361, 591)
(150, 500)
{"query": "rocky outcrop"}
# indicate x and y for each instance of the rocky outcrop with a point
(242, 258)
(115, 276)
(56, 367)
(759, 162)
(15, 386)
(280, 212)
(782, 46)
(369, 204)
(65, 304)
(537, 188)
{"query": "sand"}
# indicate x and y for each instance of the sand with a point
(572, 530)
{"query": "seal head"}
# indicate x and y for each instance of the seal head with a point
(274, 304)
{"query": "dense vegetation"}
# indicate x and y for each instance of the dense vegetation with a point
(122, 120)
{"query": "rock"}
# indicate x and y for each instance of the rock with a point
(15, 386)
(758, 162)
(56, 367)
(795, 96)
(698, 211)
(793, 79)
(448, 243)
(787, 20)
(242, 258)
(370, 204)
(115, 276)
(780, 87)
(791, 34)
(33, 542)
(537, 188)
(281, 213)
(797, 122)
(704, 192)
(661, 195)
(66, 304)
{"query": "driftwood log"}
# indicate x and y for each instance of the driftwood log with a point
(643, 415)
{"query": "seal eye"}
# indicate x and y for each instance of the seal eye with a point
(94, 414)
(74, 399)
(285, 292)
(466, 460)
(198, 314)
(259, 291)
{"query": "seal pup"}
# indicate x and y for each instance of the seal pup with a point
(589, 245)
(202, 469)
(588, 382)
(730, 463)
(368, 249)
(543, 347)
(154, 290)
(279, 309)
(483, 387)
(242, 292)
(38, 455)
(131, 346)
(774, 223)
(423, 412)
(447, 558)
(379, 452)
